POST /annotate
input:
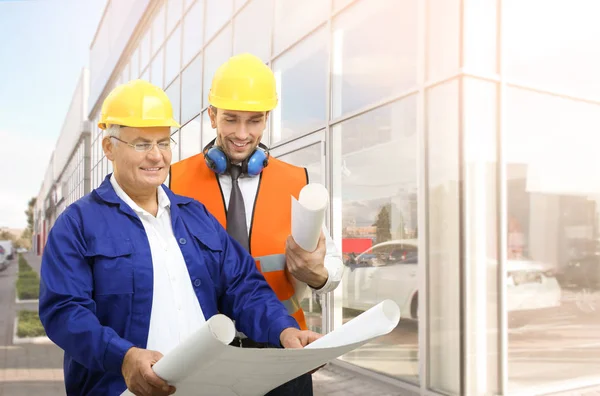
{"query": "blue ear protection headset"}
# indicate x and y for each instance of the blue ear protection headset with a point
(217, 160)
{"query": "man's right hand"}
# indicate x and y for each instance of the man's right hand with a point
(141, 380)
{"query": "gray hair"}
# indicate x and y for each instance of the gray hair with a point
(112, 130)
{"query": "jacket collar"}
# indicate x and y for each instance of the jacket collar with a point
(107, 193)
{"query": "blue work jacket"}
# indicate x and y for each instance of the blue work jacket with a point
(97, 278)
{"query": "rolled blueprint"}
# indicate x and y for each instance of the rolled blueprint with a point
(308, 213)
(207, 341)
(204, 365)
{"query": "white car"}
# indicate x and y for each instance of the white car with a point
(389, 270)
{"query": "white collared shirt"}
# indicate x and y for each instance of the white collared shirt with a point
(249, 188)
(176, 312)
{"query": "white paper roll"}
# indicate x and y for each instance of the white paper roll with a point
(308, 213)
(208, 341)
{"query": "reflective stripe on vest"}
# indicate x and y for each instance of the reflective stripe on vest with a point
(272, 262)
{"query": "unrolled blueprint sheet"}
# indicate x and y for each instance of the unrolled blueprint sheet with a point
(205, 364)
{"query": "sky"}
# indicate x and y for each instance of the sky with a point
(44, 44)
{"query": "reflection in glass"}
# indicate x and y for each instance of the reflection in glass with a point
(302, 100)
(191, 89)
(553, 239)
(250, 36)
(444, 237)
(190, 139)
(369, 62)
(215, 54)
(378, 162)
(193, 28)
(310, 158)
(292, 20)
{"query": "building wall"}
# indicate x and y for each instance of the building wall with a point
(454, 139)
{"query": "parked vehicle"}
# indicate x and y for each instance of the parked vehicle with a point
(8, 248)
(389, 270)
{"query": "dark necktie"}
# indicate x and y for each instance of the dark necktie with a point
(236, 213)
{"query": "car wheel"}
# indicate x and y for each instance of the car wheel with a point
(414, 306)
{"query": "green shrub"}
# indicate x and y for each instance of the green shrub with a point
(29, 325)
(28, 281)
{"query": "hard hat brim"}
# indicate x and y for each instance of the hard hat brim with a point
(139, 123)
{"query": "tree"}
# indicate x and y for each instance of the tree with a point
(383, 224)
(29, 213)
(6, 235)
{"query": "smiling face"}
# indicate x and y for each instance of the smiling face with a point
(139, 173)
(238, 132)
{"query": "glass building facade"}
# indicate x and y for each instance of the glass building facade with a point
(457, 140)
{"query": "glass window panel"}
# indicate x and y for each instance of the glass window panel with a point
(146, 75)
(444, 238)
(190, 139)
(125, 74)
(375, 157)
(252, 27)
(369, 64)
(553, 234)
(218, 12)
(302, 101)
(191, 96)
(208, 133)
(480, 36)
(294, 19)
(188, 3)
(174, 9)
(216, 53)
(560, 53)
(193, 26)
(173, 92)
(158, 29)
(145, 50)
(175, 152)
(310, 158)
(443, 39)
(339, 4)
(173, 56)
(157, 71)
(239, 3)
(480, 234)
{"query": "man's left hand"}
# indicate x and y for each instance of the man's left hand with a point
(293, 338)
(307, 267)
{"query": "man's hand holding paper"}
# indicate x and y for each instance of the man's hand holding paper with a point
(307, 267)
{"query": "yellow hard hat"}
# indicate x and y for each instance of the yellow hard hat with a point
(243, 83)
(137, 104)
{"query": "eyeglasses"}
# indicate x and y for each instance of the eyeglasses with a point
(145, 147)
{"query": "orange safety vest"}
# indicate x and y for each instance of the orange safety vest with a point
(271, 219)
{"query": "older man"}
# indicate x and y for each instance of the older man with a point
(132, 269)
